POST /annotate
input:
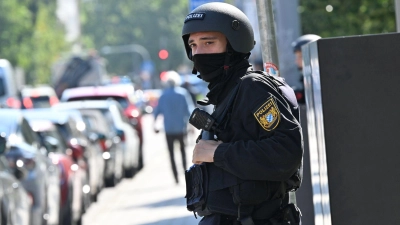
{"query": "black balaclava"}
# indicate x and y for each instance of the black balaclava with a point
(221, 71)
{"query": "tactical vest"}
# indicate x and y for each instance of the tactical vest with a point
(230, 195)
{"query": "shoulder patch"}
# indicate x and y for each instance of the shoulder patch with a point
(268, 115)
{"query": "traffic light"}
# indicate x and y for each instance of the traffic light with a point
(163, 54)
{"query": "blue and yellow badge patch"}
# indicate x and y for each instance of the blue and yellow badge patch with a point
(268, 115)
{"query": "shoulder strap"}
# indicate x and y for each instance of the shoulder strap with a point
(220, 112)
(223, 108)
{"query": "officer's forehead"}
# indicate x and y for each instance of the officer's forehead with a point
(206, 35)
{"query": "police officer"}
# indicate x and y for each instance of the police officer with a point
(296, 46)
(255, 155)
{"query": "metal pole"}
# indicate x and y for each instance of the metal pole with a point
(269, 47)
(268, 36)
(397, 10)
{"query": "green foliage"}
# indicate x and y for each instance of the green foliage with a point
(15, 32)
(30, 37)
(356, 17)
(48, 41)
(154, 24)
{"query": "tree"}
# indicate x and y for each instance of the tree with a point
(152, 24)
(30, 36)
(357, 17)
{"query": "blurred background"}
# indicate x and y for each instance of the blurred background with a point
(141, 39)
(79, 80)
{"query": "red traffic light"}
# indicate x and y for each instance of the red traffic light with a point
(163, 54)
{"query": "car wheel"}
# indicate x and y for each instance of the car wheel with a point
(110, 181)
(66, 210)
(3, 217)
(141, 164)
(129, 172)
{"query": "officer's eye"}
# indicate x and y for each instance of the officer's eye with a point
(192, 45)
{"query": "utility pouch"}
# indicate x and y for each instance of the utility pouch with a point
(196, 189)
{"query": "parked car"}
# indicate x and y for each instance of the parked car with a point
(15, 203)
(124, 94)
(93, 152)
(8, 88)
(41, 177)
(42, 96)
(79, 192)
(109, 141)
(113, 111)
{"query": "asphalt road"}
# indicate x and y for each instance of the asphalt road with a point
(151, 197)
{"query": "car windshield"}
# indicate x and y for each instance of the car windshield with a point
(41, 102)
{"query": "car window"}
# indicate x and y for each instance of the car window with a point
(124, 118)
(28, 134)
(52, 133)
(41, 102)
(121, 100)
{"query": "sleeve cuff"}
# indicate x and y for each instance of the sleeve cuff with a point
(219, 154)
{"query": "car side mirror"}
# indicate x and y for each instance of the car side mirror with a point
(19, 174)
(51, 143)
(76, 149)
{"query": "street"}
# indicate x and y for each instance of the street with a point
(151, 197)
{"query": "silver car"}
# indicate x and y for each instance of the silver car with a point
(128, 143)
(41, 177)
(15, 204)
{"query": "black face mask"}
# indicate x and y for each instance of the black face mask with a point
(210, 66)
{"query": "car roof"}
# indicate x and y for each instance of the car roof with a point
(86, 104)
(38, 91)
(109, 90)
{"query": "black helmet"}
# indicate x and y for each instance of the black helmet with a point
(220, 17)
(302, 40)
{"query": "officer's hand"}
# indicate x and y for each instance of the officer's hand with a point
(204, 151)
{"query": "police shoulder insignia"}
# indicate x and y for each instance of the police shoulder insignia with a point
(268, 115)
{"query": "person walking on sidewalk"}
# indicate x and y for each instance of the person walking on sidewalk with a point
(254, 157)
(175, 105)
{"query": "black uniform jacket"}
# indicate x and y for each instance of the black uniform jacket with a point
(262, 139)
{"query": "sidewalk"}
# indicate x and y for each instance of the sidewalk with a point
(151, 197)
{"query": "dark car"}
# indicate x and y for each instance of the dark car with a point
(15, 203)
(69, 152)
(124, 94)
(41, 176)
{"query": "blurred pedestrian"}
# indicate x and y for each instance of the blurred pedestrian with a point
(296, 46)
(251, 157)
(175, 105)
